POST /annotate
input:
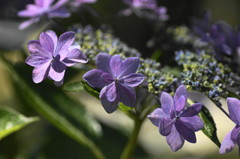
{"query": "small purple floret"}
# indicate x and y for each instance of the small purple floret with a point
(41, 8)
(175, 121)
(116, 78)
(51, 55)
(232, 138)
(161, 12)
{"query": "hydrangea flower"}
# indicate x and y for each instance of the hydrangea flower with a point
(220, 35)
(161, 12)
(50, 56)
(116, 78)
(48, 8)
(232, 138)
(175, 121)
(77, 3)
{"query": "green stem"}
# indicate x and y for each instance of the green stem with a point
(129, 148)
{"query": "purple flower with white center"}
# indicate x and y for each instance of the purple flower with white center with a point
(232, 138)
(116, 78)
(175, 121)
(50, 56)
(77, 3)
(41, 8)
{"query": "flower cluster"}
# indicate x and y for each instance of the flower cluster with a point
(94, 41)
(176, 122)
(203, 73)
(50, 56)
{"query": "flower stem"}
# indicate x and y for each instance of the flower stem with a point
(129, 148)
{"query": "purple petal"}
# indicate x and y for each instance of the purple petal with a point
(37, 60)
(165, 126)
(60, 12)
(75, 56)
(234, 109)
(227, 144)
(34, 47)
(65, 41)
(41, 72)
(181, 91)
(127, 95)
(27, 23)
(97, 78)
(54, 38)
(30, 13)
(47, 42)
(192, 110)
(132, 80)
(175, 140)
(116, 65)
(235, 133)
(166, 102)
(46, 3)
(102, 62)
(185, 131)
(108, 106)
(156, 115)
(57, 70)
(129, 65)
(195, 122)
(180, 103)
(111, 92)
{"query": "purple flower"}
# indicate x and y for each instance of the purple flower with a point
(160, 12)
(41, 8)
(175, 121)
(220, 35)
(116, 79)
(50, 56)
(232, 138)
(77, 3)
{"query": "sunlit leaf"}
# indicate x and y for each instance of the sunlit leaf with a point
(209, 129)
(12, 121)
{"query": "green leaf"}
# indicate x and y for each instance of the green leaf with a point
(74, 87)
(12, 121)
(90, 90)
(40, 104)
(209, 129)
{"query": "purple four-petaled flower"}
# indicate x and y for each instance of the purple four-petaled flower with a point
(116, 78)
(232, 138)
(176, 122)
(41, 8)
(50, 56)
